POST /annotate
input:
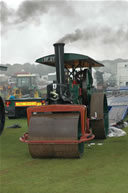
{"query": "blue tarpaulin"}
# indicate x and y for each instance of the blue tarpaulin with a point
(118, 106)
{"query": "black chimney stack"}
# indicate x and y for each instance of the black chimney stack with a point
(59, 60)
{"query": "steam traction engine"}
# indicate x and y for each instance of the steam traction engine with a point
(75, 112)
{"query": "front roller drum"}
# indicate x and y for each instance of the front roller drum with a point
(54, 150)
(48, 128)
(99, 115)
(57, 131)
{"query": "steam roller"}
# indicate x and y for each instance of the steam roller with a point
(75, 112)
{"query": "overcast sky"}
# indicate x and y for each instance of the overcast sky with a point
(29, 29)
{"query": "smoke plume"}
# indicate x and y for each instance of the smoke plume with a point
(29, 11)
(6, 13)
(105, 35)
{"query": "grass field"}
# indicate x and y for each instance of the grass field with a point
(102, 169)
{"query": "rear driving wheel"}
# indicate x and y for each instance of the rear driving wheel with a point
(99, 115)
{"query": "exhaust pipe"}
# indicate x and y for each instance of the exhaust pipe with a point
(58, 96)
(59, 60)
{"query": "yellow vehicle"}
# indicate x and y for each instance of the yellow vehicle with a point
(25, 84)
(24, 94)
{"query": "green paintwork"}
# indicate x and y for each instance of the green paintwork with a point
(70, 59)
(106, 118)
(80, 145)
(74, 90)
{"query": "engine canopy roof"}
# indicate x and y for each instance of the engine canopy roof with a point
(71, 60)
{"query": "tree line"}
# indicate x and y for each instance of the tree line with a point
(28, 68)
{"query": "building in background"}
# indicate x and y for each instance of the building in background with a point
(122, 74)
